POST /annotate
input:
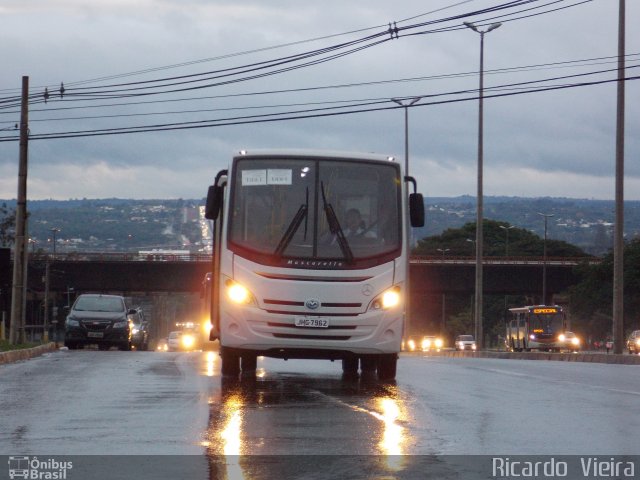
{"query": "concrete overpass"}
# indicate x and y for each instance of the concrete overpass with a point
(130, 273)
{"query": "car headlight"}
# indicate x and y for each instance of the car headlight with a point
(411, 345)
(388, 299)
(239, 294)
(72, 323)
(473, 346)
(561, 337)
(426, 343)
(122, 324)
(188, 341)
(135, 331)
(638, 342)
(575, 341)
(439, 343)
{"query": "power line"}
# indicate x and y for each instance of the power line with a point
(295, 115)
(518, 69)
(162, 82)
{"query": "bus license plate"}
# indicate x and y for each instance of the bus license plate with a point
(95, 334)
(312, 322)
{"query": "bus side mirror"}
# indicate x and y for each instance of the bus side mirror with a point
(416, 210)
(214, 202)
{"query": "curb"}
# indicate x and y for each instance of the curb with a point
(561, 357)
(27, 353)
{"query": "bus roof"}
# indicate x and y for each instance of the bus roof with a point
(312, 153)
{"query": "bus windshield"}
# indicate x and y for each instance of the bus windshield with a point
(314, 210)
(546, 323)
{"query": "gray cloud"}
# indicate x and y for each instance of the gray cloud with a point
(560, 143)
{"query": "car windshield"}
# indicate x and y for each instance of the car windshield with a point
(315, 212)
(99, 303)
(466, 338)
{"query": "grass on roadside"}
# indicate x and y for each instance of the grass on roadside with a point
(5, 346)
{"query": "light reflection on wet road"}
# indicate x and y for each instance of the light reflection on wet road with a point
(286, 417)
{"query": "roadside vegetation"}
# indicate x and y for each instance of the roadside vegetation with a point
(589, 302)
(6, 346)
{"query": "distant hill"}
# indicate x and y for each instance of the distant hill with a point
(587, 224)
(115, 224)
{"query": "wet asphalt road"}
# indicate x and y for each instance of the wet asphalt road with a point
(301, 419)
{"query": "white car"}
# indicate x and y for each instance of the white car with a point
(181, 340)
(465, 342)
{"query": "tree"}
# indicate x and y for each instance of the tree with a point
(521, 242)
(591, 299)
(461, 242)
(7, 226)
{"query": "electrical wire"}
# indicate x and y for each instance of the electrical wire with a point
(302, 114)
(161, 83)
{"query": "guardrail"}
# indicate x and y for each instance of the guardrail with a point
(588, 357)
(519, 260)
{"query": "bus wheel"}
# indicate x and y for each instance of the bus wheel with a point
(230, 361)
(368, 364)
(249, 362)
(350, 366)
(387, 364)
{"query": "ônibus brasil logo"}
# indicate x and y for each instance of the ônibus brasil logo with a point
(36, 469)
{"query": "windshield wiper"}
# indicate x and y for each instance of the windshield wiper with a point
(335, 228)
(300, 215)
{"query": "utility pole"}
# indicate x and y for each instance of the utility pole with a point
(406, 104)
(18, 296)
(544, 258)
(480, 196)
(618, 242)
(47, 273)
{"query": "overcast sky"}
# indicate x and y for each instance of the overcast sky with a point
(558, 143)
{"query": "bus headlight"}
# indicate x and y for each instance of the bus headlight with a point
(188, 341)
(438, 343)
(575, 341)
(239, 293)
(388, 299)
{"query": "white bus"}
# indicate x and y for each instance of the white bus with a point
(536, 327)
(310, 258)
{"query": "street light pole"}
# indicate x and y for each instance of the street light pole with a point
(444, 298)
(506, 240)
(479, 200)
(54, 231)
(406, 103)
(544, 258)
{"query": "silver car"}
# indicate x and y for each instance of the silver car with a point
(465, 342)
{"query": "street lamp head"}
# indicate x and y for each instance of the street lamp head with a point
(471, 26)
(410, 101)
(493, 26)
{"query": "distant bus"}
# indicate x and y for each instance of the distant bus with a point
(536, 327)
(310, 258)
